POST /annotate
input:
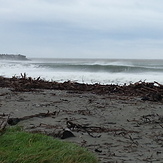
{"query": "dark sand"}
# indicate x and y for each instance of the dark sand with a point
(128, 130)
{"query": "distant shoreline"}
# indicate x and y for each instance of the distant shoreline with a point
(13, 57)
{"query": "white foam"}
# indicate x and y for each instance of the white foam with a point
(9, 69)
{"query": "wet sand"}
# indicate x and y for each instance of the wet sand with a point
(116, 128)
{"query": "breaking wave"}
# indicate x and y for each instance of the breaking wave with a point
(86, 70)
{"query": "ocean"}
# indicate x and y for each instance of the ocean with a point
(102, 71)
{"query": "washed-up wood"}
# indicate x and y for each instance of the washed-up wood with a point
(14, 121)
(4, 124)
(93, 129)
(145, 89)
(3, 114)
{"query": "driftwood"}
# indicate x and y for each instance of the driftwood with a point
(3, 114)
(4, 124)
(151, 119)
(94, 129)
(148, 91)
(14, 121)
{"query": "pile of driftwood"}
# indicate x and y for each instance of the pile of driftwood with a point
(148, 91)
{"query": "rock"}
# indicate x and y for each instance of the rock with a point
(13, 121)
(67, 134)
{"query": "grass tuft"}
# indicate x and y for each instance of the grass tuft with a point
(18, 146)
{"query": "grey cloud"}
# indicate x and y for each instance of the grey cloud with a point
(89, 26)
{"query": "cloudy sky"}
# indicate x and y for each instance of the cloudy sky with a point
(82, 28)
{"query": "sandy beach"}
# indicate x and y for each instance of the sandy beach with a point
(117, 128)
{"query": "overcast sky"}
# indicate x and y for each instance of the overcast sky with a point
(82, 28)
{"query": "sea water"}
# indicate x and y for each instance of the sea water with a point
(102, 71)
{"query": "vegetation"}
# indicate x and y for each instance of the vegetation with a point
(17, 146)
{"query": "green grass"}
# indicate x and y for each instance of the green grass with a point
(17, 146)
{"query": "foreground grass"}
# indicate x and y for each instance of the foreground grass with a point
(17, 146)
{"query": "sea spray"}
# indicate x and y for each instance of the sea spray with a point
(103, 71)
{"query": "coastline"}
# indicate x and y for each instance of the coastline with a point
(115, 126)
(13, 57)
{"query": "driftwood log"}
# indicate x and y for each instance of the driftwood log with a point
(4, 124)
(14, 121)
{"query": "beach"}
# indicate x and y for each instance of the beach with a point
(116, 127)
(86, 72)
